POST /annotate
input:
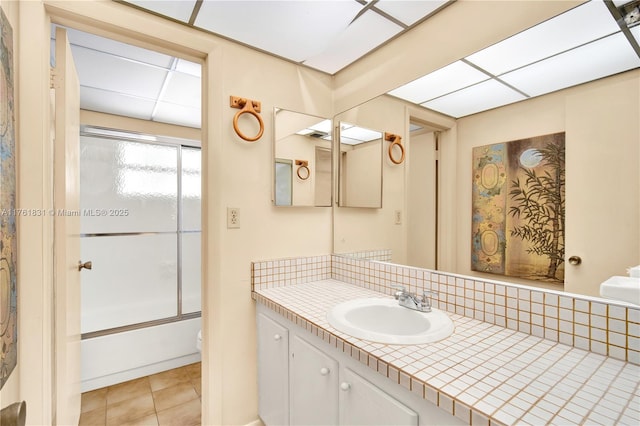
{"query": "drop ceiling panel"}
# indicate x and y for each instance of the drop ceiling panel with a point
(177, 9)
(580, 25)
(188, 67)
(440, 82)
(182, 89)
(93, 99)
(480, 97)
(599, 59)
(636, 33)
(94, 42)
(364, 34)
(117, 74)
(291, 29)
(177, 114)
(409, 11)
(359, 133)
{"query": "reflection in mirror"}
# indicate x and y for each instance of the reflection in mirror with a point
(302, 159)
(360, 169)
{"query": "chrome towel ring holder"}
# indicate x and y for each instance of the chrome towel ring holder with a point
(247, 106)
(396, 140)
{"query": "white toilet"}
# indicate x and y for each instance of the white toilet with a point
(199, 341)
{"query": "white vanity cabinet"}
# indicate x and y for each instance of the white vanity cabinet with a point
(302, 380)
(273, 371)
(313, 385)
(362, 403)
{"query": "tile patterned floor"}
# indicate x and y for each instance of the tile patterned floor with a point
(164, 399)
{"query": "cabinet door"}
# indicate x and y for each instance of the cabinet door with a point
(314, 385)
(362, 403)
(273, 372)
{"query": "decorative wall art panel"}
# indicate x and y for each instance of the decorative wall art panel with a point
(518, 204)
(8, 241)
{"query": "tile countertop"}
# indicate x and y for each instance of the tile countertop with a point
(482, 373)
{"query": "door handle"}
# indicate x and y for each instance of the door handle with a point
(85, 265)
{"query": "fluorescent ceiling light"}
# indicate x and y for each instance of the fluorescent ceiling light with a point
(188, 67)
(366, 33)
(324, 126)
(177, 9)
(573, 28)
(360, 133)
(453, 77)
(480, 97)
(409, 12)
(291, 29)
(595, 60)
(349, 141)
(636, 33)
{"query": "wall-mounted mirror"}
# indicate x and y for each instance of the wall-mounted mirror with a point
(302, 159)
(360, 167)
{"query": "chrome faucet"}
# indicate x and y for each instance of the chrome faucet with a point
(411, 301)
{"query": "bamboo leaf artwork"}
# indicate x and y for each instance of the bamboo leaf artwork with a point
(518, 201)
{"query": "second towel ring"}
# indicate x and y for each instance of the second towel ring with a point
(246, 106)
(303, 169)
(396, 140)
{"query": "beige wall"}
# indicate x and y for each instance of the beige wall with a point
(236, 174)
(602, 171)
(10, 391)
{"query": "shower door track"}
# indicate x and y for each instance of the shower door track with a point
(137, 326)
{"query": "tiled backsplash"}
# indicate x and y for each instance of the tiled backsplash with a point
(592, 324)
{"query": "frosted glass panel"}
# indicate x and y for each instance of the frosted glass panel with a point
(127, 186)
(191, 189)
(283, 190)
(134, 279)
(191, 272)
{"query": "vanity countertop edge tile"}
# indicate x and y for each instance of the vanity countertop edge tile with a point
(502, 375)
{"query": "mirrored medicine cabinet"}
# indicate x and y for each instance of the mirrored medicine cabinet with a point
(302, 160)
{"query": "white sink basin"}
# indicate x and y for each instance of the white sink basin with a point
(626, 289)
(384, 321)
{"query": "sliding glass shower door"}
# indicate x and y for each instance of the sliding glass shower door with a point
(140, 227)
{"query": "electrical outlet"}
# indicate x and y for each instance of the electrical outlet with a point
(233, 217)
(397, 215)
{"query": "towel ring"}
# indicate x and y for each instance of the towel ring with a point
(303, 169)
(246, 106)
(396, 140)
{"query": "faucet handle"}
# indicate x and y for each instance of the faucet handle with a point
(402, 292)
(426, 298)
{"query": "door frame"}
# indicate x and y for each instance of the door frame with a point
(36, 170)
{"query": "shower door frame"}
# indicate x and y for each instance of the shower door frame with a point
(145, 138)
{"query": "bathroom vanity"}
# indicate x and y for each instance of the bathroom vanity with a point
(304, 381)
(483, 374)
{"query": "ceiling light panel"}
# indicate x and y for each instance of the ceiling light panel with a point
(636, 33)
(577, 26)
(324, 126)
(182, 89)
(409, 11)
(124, 76)
(363, 35)
(349, 141)
(480, 97)
(177, 9)
(360, 133)
(188, 67)
(93, 99)
(177, 114)
(440, 82)
(116, 48)
(599, 59)
(291, 29)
